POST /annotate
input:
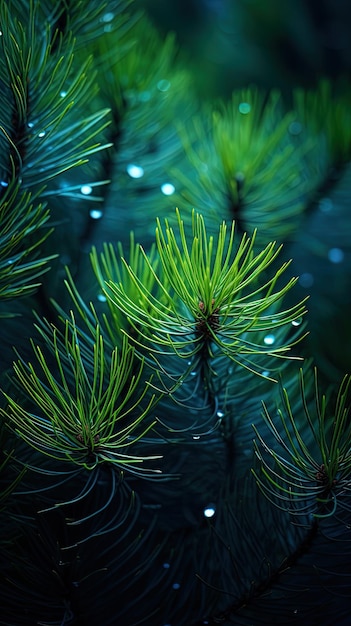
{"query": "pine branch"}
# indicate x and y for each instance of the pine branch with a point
(40, 135)
(249, 162)
(21, 218)
(202, 300)
(142, 81)
(38, 76)
(311, 474)
(91, 410)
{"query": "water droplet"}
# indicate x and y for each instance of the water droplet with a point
(220, 414)
(176, 586)
(10, 262)
(108, 17)
(325, 205)
(167, 189)
(209, 511)
(297, 322)
(163, 85)
(3, 183)
(306, 280)
(196, 437)
(269, 340)
(265, 373)
(95, 214)
(144, 96)
(135, 171)
(75, 583)
(63, 94)
(336, 255)
(166, 565)
(86, 190)
(101, 297)
(1, 33)
(30, 124)
(41, 134)
(193, 373)
(244, 108)
(240, 178)
(295, 128)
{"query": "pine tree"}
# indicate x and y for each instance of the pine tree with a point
(174, 408)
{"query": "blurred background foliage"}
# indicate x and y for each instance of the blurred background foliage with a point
(270, 44)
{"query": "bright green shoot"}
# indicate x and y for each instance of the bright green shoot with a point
(311, 473)
(208, 295)
(91, 409)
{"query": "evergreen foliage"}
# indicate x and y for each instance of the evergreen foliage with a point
(174, 424)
